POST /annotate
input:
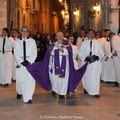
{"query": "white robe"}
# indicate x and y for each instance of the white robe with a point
(78, 44)
(25, 84)
(109, 68)
(102, 42)
(14, 66)
(79, 41)
(75, 55)
(6, 61)
(91, 79)
(59, 84)
(116, 47)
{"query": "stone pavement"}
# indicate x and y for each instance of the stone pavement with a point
(45, 107)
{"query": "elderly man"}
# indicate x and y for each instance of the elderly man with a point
(57, 72)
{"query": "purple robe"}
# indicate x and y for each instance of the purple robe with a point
(40, 71)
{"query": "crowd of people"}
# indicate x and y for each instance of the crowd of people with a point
(59, 61)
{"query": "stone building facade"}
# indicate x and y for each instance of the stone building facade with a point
(38, 15)
(45, 15)
(107, 17)
(3, 14)
(114, 16)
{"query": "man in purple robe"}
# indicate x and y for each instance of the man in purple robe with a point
(56, 72)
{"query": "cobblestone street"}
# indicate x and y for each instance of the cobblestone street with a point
(44, 106)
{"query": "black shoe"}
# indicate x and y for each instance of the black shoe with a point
(102, 81)
(54, 94)
(97, 96)
(13, 81)
(116, 84)
(19, 96)
(85, 92)
(29, 102)
(5, 85)
(109, 82)
(61, 97)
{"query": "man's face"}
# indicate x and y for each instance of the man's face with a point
(91, 35)
(107, 33)
(59, 36)
(82, 33)
(14, 34)
(4, 33)
(24, 33)
(103, 33)
(71, 39)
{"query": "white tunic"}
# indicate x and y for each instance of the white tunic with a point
(109, 68)
(75, 56)
(14, 66)
(59, 84)
(6, 61)
(116, 47)
(79, 42)
(91, 80)
(25, 84)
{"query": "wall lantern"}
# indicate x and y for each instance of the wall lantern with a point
(96, 7)
(63, 13)
(75, 12)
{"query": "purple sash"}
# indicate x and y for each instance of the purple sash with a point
(59, 70)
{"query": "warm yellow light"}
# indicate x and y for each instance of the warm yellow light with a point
(76, 12)
(62, 12)
(98, 8)
(95, 7)
(60, 1)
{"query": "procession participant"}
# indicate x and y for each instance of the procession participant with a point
(25, 52)
(91, 51)
(57, 72)
(105, 37)
(6, 58)
(109, 75)
(75, 51)
(115, 39)
(15, 35)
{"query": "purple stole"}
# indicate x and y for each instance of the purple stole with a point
(59, 69)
